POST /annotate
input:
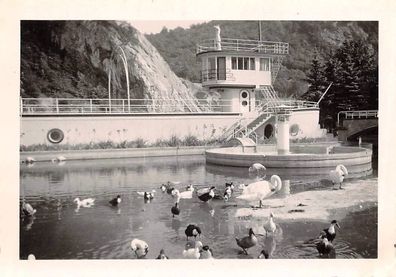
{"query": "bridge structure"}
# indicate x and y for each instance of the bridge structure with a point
(355, 124)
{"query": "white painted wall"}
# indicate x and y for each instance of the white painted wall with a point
(307, 121)
(239, 77)
(88, 129)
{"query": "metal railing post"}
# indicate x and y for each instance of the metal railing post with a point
(90, 104)
(57, 105)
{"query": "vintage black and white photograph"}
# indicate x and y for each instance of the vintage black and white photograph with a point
(198, 139)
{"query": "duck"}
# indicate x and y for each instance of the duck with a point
(163, 188)
(260, 190)
(58, 159)
(115, 201)
(162, 255)
(263, 255)
(324, 247)
(193, 253)
(29, 160)
(256, 167)
(175, 210)
(206, 252)
(230, 185)
(88, 202)
(207, 195)
(147, 195)
(140, 247)
(188, 194)
(247, 242)
(27, 209)
(269, 225)
(337, 176)
(331, 232)
(190, 187)
(227, 194)
(192, 231)
(170, 187)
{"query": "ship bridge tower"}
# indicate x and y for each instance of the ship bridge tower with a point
(241, 71)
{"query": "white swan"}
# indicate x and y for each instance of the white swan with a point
(188, 194)
(257, 167)
(86, 203)
(193, 253)
(270, 225)
(337, 176)
(140, 247)
(258, 191)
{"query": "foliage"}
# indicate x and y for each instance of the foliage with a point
(353, 70)
(304, 37)
(173, 141)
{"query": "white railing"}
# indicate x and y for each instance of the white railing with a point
(31, 106)
(119, 106)
(357, 114)
(244, 45)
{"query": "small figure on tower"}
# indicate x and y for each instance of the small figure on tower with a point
(218, 38)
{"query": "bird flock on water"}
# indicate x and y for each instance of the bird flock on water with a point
(195, 249)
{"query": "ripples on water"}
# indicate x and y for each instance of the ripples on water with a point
(60, 231)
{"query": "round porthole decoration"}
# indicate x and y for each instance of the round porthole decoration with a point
(294, 129)
(55, 135)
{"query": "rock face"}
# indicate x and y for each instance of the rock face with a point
(77, 58)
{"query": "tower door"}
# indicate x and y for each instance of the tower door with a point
(244, 101)
(221, 68)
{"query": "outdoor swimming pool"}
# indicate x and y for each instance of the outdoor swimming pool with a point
(60, 231)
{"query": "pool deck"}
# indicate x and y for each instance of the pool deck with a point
(321, 205)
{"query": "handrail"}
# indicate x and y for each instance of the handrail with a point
(244, 45)
(358, 114)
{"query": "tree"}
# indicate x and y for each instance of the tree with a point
(316, 79)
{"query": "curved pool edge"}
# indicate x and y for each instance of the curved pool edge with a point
(356, 159)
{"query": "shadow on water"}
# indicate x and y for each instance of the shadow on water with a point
(60, 231)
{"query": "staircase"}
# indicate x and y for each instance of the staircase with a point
(269, 106)
(275, 67)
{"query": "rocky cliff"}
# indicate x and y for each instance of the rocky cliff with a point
(68, 59)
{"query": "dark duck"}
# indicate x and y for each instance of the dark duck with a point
(331, 232)
(263, 255)
(162, 255)
(175, 209)
(192, 231)
(207, 195)
(247, 242)
(115, 201)
(324, 247)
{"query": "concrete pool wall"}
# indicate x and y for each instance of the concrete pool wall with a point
(315, 159)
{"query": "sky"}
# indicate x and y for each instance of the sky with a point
(155, 26)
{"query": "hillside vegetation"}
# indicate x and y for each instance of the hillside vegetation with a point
(306, 39)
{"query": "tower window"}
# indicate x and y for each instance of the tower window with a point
(234, 63)
(252, 64)
(240, 63)
(264, 64)
(243, 63)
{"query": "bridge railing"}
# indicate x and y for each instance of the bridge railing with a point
(356, 114)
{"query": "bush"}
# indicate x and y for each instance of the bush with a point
(191, 140)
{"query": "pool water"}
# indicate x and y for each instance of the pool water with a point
(61, 231)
